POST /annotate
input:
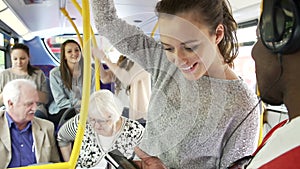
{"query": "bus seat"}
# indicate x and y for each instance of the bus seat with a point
(45, 68)
(68, 114)
(50, 96)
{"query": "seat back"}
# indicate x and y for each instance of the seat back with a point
(45, 68)
(50, 96)
(68, 114)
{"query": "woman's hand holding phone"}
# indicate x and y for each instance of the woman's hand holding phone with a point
(147, 161)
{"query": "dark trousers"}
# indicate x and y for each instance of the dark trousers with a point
(55, 118)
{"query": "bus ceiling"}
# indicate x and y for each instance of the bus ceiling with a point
(43, 18)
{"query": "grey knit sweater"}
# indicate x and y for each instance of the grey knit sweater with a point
(189, 122)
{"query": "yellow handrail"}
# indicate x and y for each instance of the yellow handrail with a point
(154, 29)
(86, 48)
(63, 10)
(86, 83)
(97, 62)
(261, 124)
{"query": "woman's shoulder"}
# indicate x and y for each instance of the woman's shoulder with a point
(5, 71)
(72, 122)
(8, 75)
(132, 132)
(39, 72)
(132, 124)
(238, 85)
(55, 71)
(75, 119)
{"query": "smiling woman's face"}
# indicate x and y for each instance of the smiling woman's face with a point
(188, 44)
(72, 53)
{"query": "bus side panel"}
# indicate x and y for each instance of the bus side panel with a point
(39, 55)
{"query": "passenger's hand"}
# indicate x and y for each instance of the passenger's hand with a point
(147, 161)
(98, 53)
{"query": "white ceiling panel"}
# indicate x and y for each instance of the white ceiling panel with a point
(46, 15)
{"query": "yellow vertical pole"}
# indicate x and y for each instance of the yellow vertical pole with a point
(154, 29)
(261, 123)
(97, 62)
(86, 83)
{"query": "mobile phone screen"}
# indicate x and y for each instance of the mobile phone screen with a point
(117, 159)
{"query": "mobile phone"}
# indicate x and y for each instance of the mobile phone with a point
(119, 161)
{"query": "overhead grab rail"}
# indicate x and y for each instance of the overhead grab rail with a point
(64, 11)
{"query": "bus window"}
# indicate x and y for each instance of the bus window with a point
(2, 52)
(55, 42)
(2, 60)
(244, 65)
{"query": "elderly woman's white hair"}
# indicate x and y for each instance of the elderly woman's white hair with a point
(12, 90)
(104, 101)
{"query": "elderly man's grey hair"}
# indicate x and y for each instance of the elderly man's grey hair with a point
(12, 90)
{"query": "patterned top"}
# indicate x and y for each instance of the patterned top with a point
(129, 136)
(190, 124)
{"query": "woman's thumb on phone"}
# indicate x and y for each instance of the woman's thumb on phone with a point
(140, 153)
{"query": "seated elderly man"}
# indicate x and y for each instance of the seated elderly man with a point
(24, 138)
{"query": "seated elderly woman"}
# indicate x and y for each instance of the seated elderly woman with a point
(105, 130)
